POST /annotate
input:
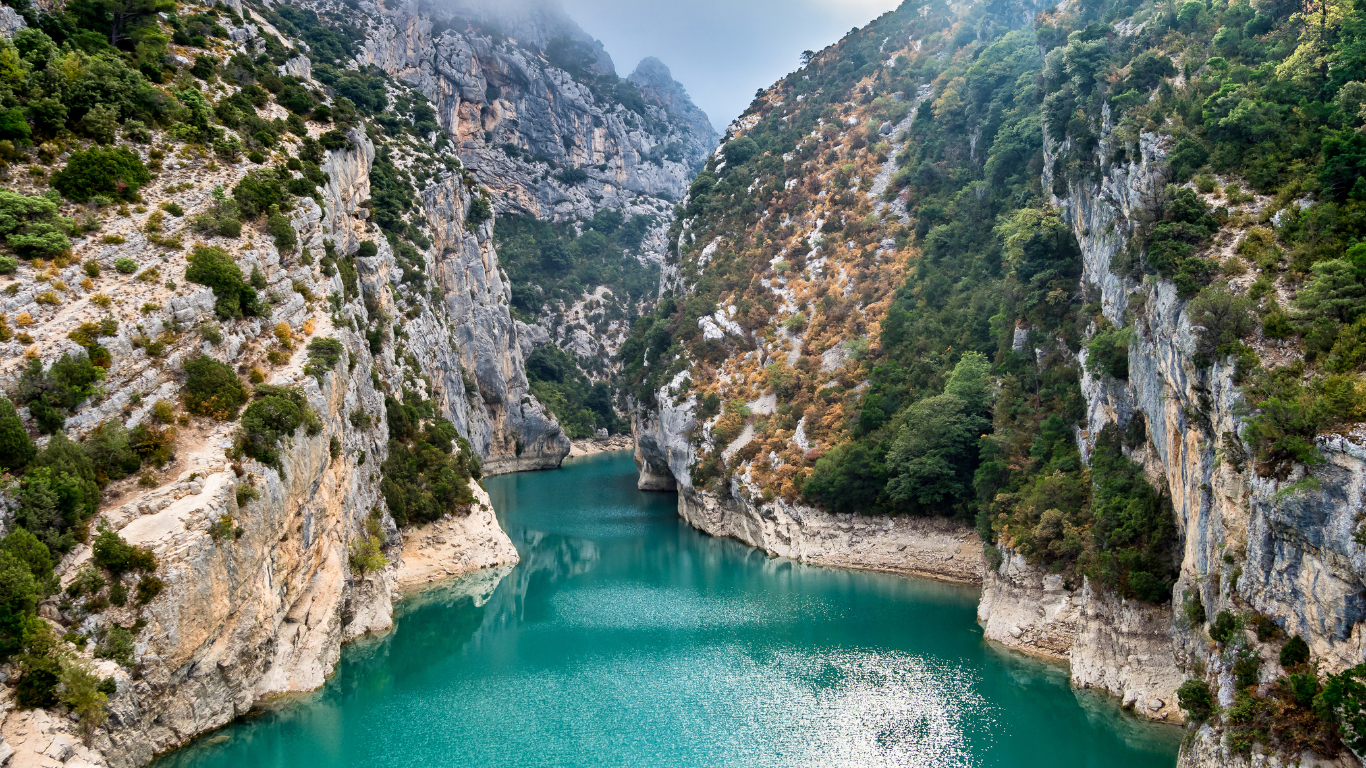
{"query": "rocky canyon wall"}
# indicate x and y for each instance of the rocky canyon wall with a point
(260, 589)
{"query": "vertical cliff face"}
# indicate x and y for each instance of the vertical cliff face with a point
(261, 590)
(521, 122)
(470, 336)
(1282, 548)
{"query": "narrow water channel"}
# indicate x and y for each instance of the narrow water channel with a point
(626, 638)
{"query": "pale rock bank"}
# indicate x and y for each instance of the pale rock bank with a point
(454, 546)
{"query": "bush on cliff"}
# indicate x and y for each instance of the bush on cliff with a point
(16, 447)
(213, 389)
(111, 171)
(215, 268)
(430, 467)
(277, 413)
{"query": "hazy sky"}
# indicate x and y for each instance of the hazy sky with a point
(722, 51)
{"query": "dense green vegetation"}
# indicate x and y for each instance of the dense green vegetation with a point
(429, 470)
(1272, 96)
(550, 267)
(213, 389)
(582, 407)
(992, 257)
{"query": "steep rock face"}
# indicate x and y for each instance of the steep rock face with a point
(265, 610)
(471, 336)
(492, 94)
(1207, 750)
(938, 549)
(1105, 638)
(657, 84)
(1250, 542)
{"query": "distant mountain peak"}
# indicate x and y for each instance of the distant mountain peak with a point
(657, 84)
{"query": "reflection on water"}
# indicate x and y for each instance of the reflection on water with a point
(625, 638)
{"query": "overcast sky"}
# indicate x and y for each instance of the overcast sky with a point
(722, 51)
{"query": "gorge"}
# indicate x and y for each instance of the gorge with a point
(1059, 307)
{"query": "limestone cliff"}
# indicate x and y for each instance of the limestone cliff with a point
(1284, 548)
(520, 121)
(552, 137)
(260, 588)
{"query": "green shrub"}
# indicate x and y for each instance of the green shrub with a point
(58, 493)
(1134, 530)
(38, 681)
(1223, 627)
(215, 268)
(51, 393)
(1294, 652)
(117, 556)
(1195, 697)
(366, 555)
(367, 249)
(1194, 609)
(113, 171)
(1108, 352)
(428, 471)
(81, 688)
(334, 140)
(1343, 700)
(1292, 413)
(213, 389)
(258, 191)
(149, 587)
(125, 265)
(116, 645)
(27, 549)
(31, 227)
(1223, 320)
(323, 356)
(480, 211)
(276, 414)
(228, 228)
(153, 443)
(110, 452)
(283, 232)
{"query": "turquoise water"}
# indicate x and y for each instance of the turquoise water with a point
(625, 638)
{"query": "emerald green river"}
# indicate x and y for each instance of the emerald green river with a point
(626, 638)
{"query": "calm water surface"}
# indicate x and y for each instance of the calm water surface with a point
(626, 638)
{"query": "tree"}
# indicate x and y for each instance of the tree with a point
(848, 479)
(124, 19)
(1335, 291)
(1222, 319)
(16, 447)
(118, 557)
(1195, 697)
(970, 382)
(57, 493)
(480, 211)
(213, 389)
(81, 690)
(933, 459)
(31, 226)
